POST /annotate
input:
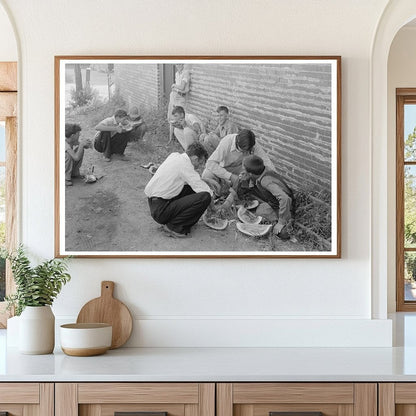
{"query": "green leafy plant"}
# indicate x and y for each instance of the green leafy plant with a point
(82, 97)
(35, 285)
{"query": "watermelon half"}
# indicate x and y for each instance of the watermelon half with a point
(254, 230)
(247, 217)
(214, 222)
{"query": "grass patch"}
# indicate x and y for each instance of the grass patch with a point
(313, 225)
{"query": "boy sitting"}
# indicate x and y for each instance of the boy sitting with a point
(271, 188)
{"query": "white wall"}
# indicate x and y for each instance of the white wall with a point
(211, 301)
(8, 45)
(401, 74)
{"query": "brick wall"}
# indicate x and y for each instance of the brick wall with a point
(138, 84)
(288, 107)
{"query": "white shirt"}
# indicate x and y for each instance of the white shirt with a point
(191, 119)
(175, 172)
(110, 122)
(227, 159)
(183, 76)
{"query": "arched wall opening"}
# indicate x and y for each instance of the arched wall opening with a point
(396, 15)
(401, 74)
(8, 45)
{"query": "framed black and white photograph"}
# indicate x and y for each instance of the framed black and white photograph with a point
(198, 156)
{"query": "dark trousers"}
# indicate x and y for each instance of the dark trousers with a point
(108, 145)
(181, 212)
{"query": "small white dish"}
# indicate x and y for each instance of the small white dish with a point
(83, 340)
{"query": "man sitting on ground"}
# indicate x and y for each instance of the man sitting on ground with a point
(112, 136)
(187, 127)
(74, 152)
(270, 187)
(225, 164)
(224, 128)
(176, 194)
(225, 125)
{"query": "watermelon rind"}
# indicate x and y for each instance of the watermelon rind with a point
(254, 230)
(221, 226)
(244, 215)
(251, 204)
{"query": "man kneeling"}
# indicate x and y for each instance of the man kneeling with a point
(176, 194)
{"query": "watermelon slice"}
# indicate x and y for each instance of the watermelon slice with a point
(244, 215)
(214, 222)
(251, 204)
(254, 230)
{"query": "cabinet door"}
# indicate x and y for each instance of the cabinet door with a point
(397, 399)
(297, 399)
(26, 399)
(142, 399)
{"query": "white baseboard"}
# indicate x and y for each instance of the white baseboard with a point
(255, 332)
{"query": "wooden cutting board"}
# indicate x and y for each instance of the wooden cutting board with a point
(108, 310)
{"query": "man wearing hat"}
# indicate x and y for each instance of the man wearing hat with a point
(139, 127)
(225, 164)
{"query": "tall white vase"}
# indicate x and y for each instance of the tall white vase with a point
(37, 330)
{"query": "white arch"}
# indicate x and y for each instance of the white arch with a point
(396, 14)
(9, 31)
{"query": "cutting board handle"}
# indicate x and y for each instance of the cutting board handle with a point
(107, 289)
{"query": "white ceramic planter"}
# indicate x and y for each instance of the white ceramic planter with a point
(37, 330)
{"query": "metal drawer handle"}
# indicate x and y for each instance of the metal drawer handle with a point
(139, 414)
(295, 413)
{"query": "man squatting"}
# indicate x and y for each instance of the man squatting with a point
(176, 194)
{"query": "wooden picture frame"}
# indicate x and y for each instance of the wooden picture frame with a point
(292, 104)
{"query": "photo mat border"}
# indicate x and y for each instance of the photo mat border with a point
(335, 252)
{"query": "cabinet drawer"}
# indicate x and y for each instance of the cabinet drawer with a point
(138, 393)
(397, 399)
(107, 399)
(21, 399)
(309, 399)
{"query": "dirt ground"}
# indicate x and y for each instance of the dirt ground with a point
(112, 214)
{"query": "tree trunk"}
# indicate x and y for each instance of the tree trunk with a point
(78, 78)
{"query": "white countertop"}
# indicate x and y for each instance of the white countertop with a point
(215, 364)
(221, 364)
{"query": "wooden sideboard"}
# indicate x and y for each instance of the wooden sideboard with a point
(208, 399)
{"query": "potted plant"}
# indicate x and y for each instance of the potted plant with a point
(36, 289)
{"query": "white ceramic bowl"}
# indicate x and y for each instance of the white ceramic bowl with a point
(83, 340)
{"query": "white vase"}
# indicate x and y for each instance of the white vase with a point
(37, 330)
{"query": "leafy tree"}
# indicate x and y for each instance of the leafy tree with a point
(410, 269)
(2, 234)
(410, 203)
